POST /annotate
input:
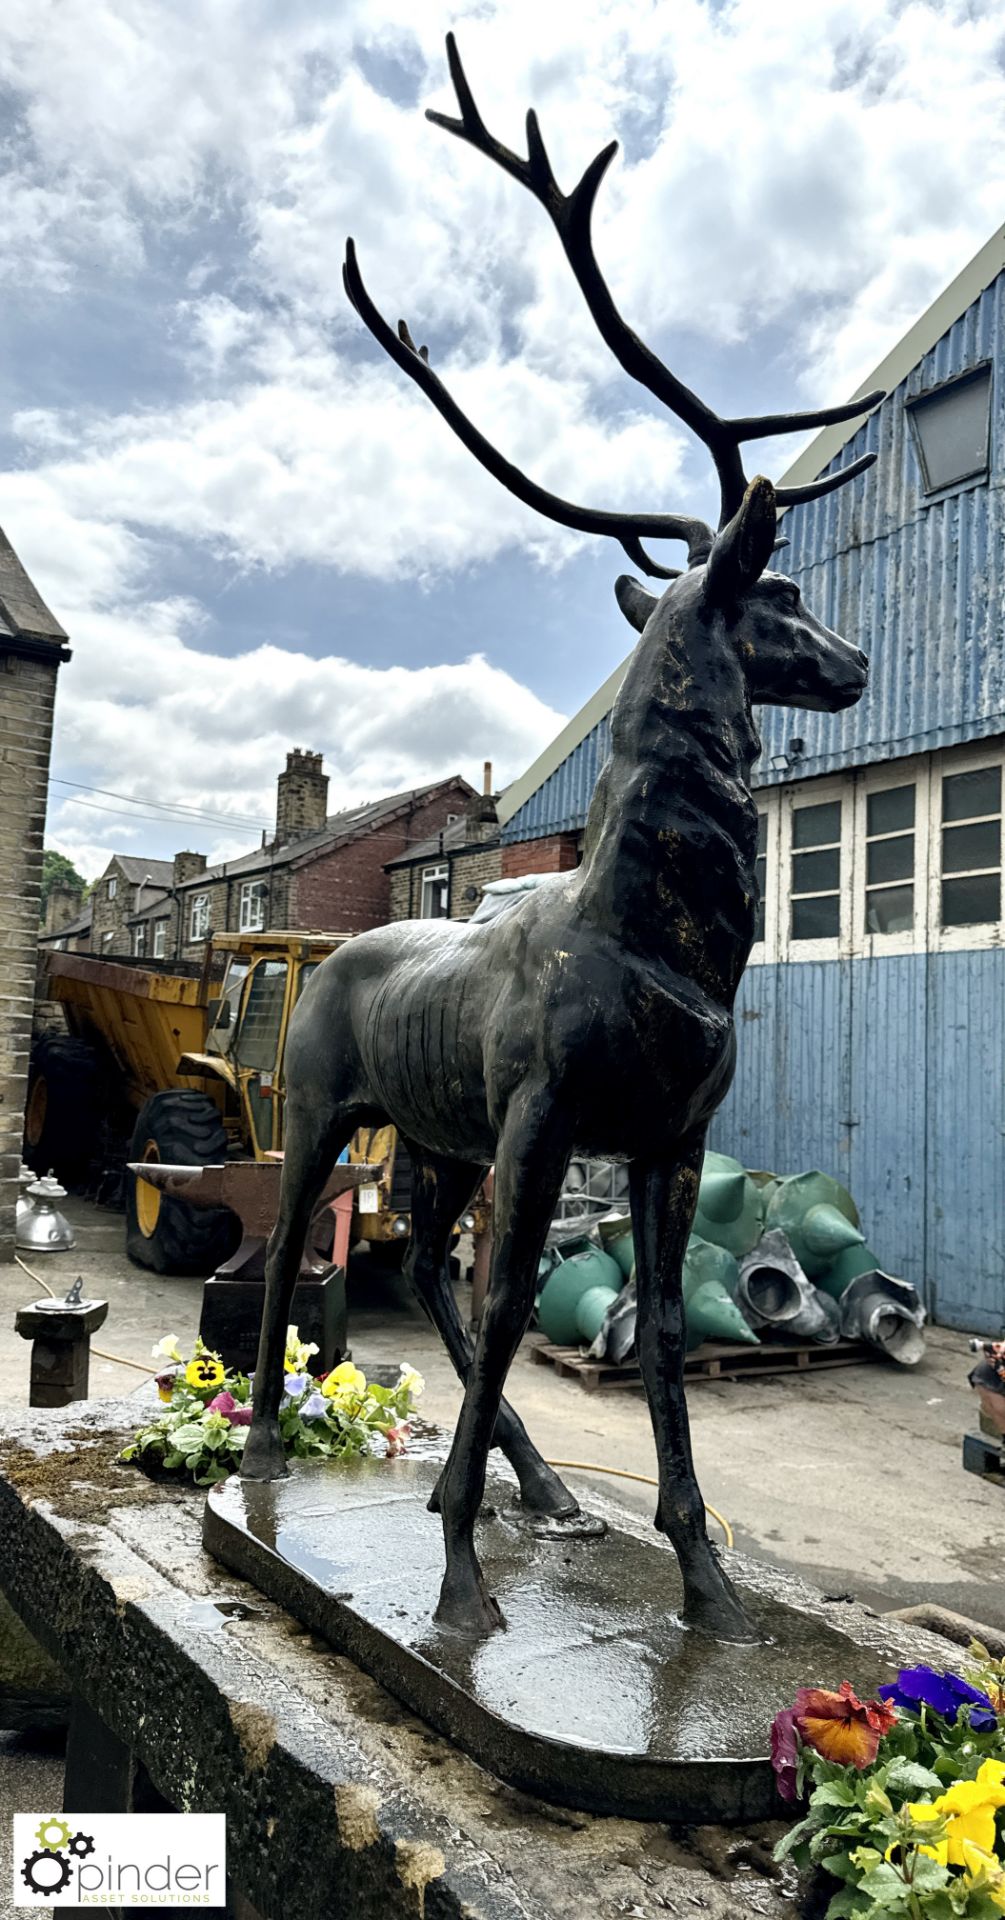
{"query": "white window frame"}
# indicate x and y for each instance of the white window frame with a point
(896, 773)
(437, 875)
(252, 906)
(986, 933)
(198, 916)
(111, 887)
(160, 939)
(768, 801)
(140, 941)
(815, 793)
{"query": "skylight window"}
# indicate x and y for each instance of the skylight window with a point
(951, 428)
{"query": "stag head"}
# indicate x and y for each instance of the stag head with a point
(571, 215)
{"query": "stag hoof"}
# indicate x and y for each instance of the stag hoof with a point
(715, 1609)
(465, 1604)
(263, 1457)
(543, 1493)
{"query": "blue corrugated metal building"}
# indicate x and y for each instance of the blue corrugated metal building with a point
(871, 1021)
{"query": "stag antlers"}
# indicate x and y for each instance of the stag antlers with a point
(571, 216)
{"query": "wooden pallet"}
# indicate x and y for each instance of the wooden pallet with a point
(716, 1360)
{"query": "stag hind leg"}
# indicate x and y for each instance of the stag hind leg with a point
(663, 1201)
(530, 1163)
(441, 1190)
(315, 1136)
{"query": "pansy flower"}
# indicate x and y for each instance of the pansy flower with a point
(235, 1413)
(205, 1370)
(840, 1726)
(968, 1808)
(944, 1693)
(785, 1752)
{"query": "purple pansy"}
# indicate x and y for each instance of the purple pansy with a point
(944, 1693)
(295, 1384)
(315, 1407)
(232, 1410)
(784, 1752)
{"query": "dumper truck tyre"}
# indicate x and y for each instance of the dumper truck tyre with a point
(180, 1128)
(64, 1108)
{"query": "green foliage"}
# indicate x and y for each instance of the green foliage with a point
(204, 1426)
(892, 1834)
(57, 871)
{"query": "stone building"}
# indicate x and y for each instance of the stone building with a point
(444, 876)
(319, 871)
(32, 646)
(129, 884)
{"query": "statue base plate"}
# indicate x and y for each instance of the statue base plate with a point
(594, 1695)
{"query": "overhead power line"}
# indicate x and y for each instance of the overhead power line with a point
(173, 808)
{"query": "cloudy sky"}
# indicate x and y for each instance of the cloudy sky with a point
(257, 532)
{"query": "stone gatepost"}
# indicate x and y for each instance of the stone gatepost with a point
(32, 645)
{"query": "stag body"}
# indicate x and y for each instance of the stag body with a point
(594, 1015)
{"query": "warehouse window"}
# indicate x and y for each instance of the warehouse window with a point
(198, 919)
(761, 871)
(434, 893)
(816, 872)
(160, 934)
(951, 428)
(971, 847)
(889, 860)
(252, 906)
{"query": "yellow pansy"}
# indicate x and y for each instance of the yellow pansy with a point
(922, 1811)
(167, 1349)
(969, 1808)
(344, 1382)
(206, 1370)
(984, 1870)
(412, 1381)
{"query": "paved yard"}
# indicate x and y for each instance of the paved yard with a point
(852, 1477)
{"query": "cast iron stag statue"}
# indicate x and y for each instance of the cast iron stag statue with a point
(595, 1015)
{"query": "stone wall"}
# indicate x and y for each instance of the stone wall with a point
(400, 904)
(109, 932)
(472, 869)
(27, 692)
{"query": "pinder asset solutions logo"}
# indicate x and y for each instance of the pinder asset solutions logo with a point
(101, 1859)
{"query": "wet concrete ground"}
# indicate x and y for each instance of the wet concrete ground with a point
(851, 1477)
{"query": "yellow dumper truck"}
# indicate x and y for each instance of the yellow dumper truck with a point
(185, 1066)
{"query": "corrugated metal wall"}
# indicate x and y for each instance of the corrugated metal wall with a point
(889, 1074)
(919, 583)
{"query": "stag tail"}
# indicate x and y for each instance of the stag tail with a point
(571, 215)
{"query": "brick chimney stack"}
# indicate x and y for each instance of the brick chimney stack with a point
(483, 820)
(186, 866)
(301, 797)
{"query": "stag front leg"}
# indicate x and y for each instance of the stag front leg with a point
(663, 1202)
(530, 1164)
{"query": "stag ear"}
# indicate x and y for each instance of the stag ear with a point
(635, 603)
(744, 547)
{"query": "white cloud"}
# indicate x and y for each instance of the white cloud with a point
(819, 171)
(142, 698)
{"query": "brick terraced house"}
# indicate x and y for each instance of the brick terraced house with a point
(320, 871)
(443, 877)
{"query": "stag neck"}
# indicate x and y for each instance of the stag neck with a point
(671, 838)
